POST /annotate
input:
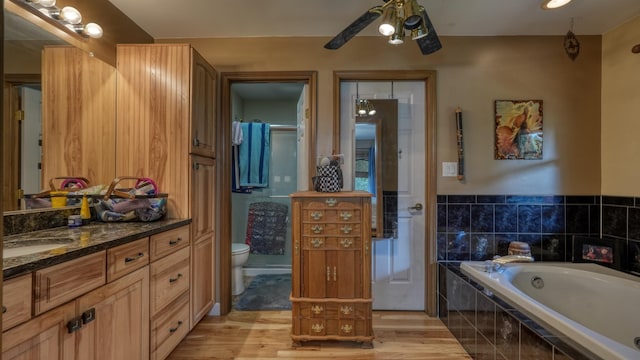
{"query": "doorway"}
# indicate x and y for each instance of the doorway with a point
(292, 138)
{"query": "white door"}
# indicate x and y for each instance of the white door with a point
(398, 261)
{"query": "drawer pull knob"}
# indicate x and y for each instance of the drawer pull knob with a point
(346, 328)
(346, 229)
(317, 242)
(133, 258)
(88, 316)
(175, 242)
(346, 243)
(346, 215)
(74, 325)
(317, 229)
(316, 215)
(331, 202)
(346, 310)
(317, 309)
(318, 328)
(174, 329)
(172, 280)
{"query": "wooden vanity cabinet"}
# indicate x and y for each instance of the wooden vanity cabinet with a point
(331, 267)
(165, 115)
(110, 322)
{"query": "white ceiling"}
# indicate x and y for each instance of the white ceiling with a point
(325, 18)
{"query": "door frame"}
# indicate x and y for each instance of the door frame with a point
(223, 129)
(429, 78)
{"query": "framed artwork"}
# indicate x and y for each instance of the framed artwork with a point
(518, 129)
(607, 252)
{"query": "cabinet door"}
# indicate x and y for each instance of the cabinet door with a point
(115, 320)
(45, 336)
(332, 274)
(203, 109)
(203, 245)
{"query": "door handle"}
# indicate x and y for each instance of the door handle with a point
(416, 207)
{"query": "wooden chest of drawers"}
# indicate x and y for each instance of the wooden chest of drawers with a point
(331, 267)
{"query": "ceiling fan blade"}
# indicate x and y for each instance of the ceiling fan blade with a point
(430, 43)
(355, 27)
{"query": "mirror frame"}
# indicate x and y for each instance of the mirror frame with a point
(429, 78)
(223, 151)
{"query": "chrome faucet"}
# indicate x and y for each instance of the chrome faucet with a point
(498, 261)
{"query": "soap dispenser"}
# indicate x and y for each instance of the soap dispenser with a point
(85, 213)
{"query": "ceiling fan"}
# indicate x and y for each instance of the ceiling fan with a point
(398, 16)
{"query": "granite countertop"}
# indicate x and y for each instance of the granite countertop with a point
(76, 242)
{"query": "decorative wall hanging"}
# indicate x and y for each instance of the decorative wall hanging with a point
(460, 144)
(518, 129)
(571, 44)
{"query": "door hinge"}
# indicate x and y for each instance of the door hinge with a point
(19, 194)
(306, 113)
(19, 115)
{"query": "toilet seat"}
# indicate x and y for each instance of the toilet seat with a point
(238, 248)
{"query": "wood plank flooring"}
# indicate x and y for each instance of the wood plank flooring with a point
(265, 335)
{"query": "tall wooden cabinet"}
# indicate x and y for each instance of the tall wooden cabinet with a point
(165, 130)
(331, 267)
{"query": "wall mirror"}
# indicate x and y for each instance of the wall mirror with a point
(81, 105)
(375, 163)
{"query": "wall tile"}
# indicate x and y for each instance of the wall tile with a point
(458, 246)
(614, 221)
(634, 223)
(577, 219)
(482, 218)
(553, 247)
(482, 246)
(532, 347)
(529, 219)
(506, 218)
(553, 219)
(507, 334)
(458, 218)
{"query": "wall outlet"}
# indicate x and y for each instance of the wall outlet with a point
(449, 169)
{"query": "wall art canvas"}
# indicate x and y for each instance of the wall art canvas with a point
(518, 129)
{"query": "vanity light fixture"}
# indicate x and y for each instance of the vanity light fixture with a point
(67, 16)
(554, 4)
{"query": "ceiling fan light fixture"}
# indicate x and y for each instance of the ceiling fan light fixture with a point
(421, 30)
(554, 4)
(397, 37)
(389, 17)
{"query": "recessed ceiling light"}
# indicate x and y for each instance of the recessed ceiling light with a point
(554, 4)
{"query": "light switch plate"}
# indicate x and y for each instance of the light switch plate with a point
(449, 169)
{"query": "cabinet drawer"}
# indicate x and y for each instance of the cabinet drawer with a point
(16, 301)
(169, 241)
(169, 328)
(331, 243)
(346, 229)
(335, 216)
(169, 279)
(60, 283)
(331, 203)
(126, 258)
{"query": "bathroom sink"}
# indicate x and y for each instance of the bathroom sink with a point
(33, 246)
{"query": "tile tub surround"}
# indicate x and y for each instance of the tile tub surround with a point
(477, 227)
(489, 328)
(621, 220)
(84, 240)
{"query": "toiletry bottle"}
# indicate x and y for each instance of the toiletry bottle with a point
(85, 213)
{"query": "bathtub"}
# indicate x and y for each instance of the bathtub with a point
(597, 308)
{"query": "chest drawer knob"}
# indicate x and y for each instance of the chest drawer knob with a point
(317, 328)
(331, 202)
(317, 229)
(346, 229)
(346, 310)
(317, 309)
(346, 243)
(346, 328)
(316, 215)
(346, 215)
(317, 242)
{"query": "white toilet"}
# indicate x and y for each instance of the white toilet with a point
(239, 256)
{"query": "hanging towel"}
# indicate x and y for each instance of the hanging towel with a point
(235, 173)
(254, 154)
(236, 133)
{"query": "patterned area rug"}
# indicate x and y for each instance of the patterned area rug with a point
(266, 292)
